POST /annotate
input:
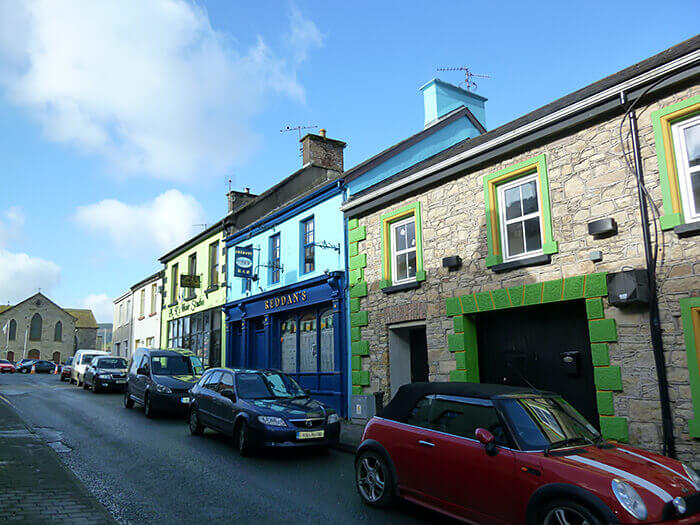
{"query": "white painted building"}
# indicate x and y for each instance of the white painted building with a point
(121, 328)
(145, 318)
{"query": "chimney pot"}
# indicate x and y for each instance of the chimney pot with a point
(322, 132)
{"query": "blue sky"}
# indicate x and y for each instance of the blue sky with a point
(121, 125)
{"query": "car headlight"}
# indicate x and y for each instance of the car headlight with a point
(104, 376)
(629, 499)
(694, 476)
(333, 418)
(163, 389)
(272, 421)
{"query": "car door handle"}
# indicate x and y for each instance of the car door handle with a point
(426, 443)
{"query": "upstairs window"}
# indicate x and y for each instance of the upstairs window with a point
(521, 232)
(142, 303)
(35, 328)
(173, 284)
(686, 139)
(275, 258)
(403, 249)
(308, 255)
(214, 264)
(13, 330)
(58, 332)
(154, 298)
(192, 270)
(401, 252)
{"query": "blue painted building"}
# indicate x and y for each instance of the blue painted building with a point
(286, 282)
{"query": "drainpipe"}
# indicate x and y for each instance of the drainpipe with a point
(669, 446)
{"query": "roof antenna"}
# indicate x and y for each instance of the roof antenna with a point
(468, 76)
(298, 129)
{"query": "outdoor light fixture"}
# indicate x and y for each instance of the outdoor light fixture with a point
(452, 263)
(602, 227)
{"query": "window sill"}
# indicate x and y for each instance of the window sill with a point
(212, 288)
(537, 260)
(172, 304)
(687, 230)
(413, 285)
(190, 298)
(141, 318)
(152, 314)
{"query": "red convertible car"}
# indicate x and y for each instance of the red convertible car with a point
(499, 454)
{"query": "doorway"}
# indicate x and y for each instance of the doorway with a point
(408, 355)
(546, 345)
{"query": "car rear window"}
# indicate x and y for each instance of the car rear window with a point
(110, 362)
(87, 358)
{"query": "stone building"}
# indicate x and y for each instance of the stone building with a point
(37, 328)
(485, 262)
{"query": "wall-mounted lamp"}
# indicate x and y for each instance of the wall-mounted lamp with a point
(452, 263)
(602, 228)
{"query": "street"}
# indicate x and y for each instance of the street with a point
(154, 471)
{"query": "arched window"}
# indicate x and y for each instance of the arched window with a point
(11, 356)
(35, 328)
(58, 332)
(33, 354)
(13, 330)
(56, 357)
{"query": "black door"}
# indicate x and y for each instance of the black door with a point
(419, 354)
(546, 344)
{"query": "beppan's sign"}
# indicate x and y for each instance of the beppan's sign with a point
(243, 262)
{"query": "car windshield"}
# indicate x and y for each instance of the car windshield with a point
(110, 362)
(547, 422)
(87, 359)
(267, 385)
(176, 365)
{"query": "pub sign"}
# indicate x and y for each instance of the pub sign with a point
(243, 262)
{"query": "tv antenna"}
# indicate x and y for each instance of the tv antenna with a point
(298, 129)
(468, 75)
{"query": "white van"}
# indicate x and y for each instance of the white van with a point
(81, 360)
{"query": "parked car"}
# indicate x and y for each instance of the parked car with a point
(160, 380)
(260, 408)
(66, 368)
(23, 361)
(7, 367)
(105, 373)
(40, 366)
(499, 454)
(81, 360)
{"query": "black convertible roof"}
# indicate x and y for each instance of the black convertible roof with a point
(408, 395)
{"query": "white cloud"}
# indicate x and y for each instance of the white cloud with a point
(151, 86)
(11, 223)
(22, 275)
(150, 228)
(101, 305)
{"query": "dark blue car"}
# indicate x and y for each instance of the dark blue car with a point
(260, 408)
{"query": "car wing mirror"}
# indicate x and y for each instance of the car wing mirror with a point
(307, 391)
(229, 394)
(487, 439)
(142, 371)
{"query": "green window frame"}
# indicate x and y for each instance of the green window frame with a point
(536, 166)
(690, 317)
(387, 220)
(671, 195)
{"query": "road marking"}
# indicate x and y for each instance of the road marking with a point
(5, 400)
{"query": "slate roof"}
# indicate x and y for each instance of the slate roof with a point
(85, 318)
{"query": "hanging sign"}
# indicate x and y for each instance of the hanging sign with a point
(243, 262)
(189, 281)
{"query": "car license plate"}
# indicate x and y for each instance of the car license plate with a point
(119, 381)
(311, 434)
(184, 400)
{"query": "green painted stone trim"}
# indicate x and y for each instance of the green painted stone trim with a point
(552, 291)
(360, 348)
(539, 164)
(692, 345)
(461, 360)
(359, 319)
(596, 285)
(452, 306)
(608, 378)
(383, 283)
(355, 276)
(532, 294)
(605, 403)
(357, 262)
(353, 223)
(501, 299)
(360, 377)
(385, 250)
(600, 354)
(602, 330)
(468, 304)
(669, 219)
(573, 287)
(357, 234)
(355, 334)
(471, 350)
(484, 302)
(353, 249)
(359, 289)
(594, 308)
(354, 305)
(356, 362)
(458, 375)
(455, 342)
(458, 323)
(516, 294)
(614, 428)
(356, 390)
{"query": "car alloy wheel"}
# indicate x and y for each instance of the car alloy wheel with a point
(94, 387)
(148, 410)
(128, 402)
(568, 513)
(196, 428)
(373, 479)
(245, 447)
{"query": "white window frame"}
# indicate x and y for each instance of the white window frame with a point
(684, 170)
(394, 252)
(502, 188)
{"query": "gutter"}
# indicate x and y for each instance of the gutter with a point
(542, 122)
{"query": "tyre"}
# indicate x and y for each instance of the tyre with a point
(373, 479)
(196, 428)
(94, 387)
(561, 512)
(85, 385)
(147, 408)
(245, 446)
(128, 402)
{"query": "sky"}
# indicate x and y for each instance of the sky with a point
(121, 123)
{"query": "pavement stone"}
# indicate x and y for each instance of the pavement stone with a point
(35, 485)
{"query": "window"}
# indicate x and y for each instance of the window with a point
(686, 138)
(58, 332)
(142, 303)
(150, 341)
(226, 382)
(307, 231)
(33, 354)
(401, 247)
(173, 284)
(214, 264)
(137, 343)
(192, 270)
(13, 330)
(520, 216)
(35, 328)
(56, 358)
(403, 250)
(289, 345)
(275, 246)
(121, 314)
(154, 298)
(212, 382)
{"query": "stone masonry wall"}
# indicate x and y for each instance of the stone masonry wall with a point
(588, 179)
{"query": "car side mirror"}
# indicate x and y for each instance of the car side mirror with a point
(487, 439)
(229, 394)
(142, 371)
(307, 391)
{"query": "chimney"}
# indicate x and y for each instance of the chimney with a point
(322, 151)
(238, 199)
(440, 98)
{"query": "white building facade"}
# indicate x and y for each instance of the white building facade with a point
(147, 303)
(121, 331)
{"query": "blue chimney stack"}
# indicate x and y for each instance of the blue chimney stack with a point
(440, 98)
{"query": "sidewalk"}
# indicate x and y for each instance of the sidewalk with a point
(350, 435)
(35, 485)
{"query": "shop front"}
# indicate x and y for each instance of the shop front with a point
(199, 332)
(297, 329)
